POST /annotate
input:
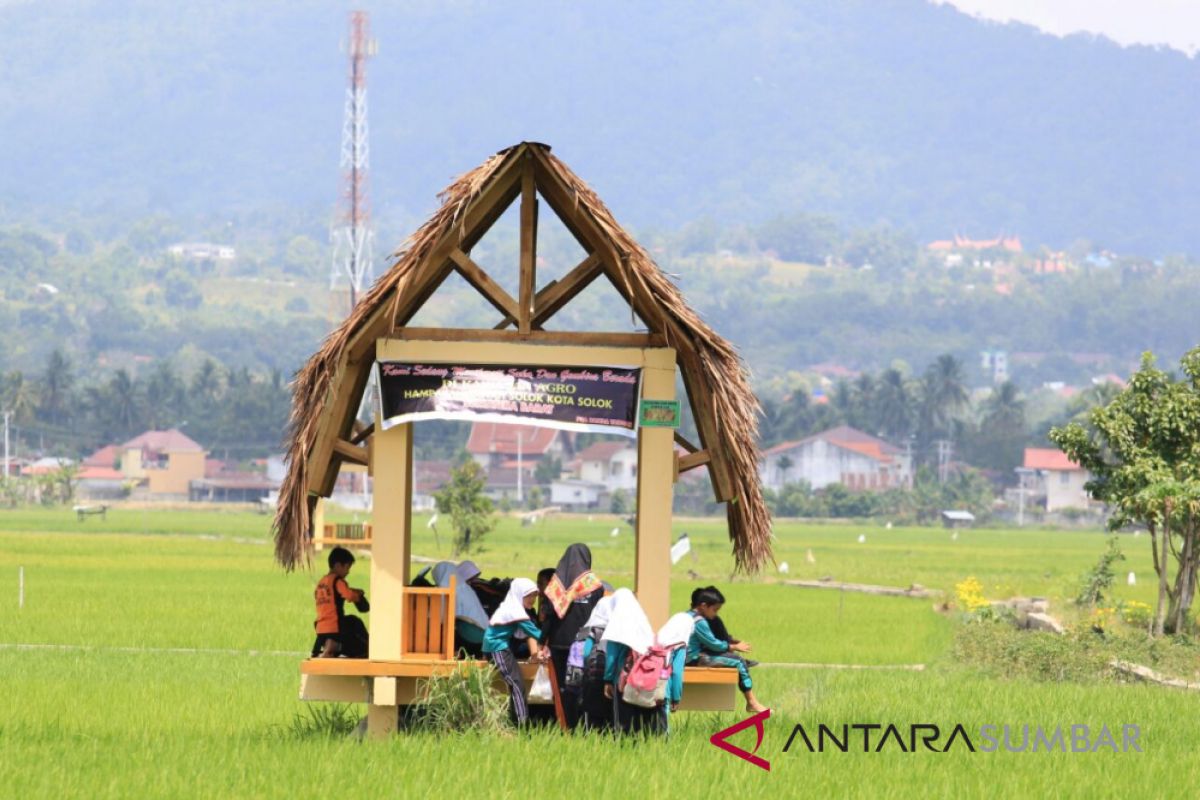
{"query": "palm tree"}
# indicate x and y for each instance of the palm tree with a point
(893, 406)
(56, 389)
(944, 392)
(1004, 410)
(20, 397)
(124, 399)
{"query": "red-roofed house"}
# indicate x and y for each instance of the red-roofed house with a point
(1054, 480)
(842, 455)
(493, 443)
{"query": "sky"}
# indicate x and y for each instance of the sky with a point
(1172, 22)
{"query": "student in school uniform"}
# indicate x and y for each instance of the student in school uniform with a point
(595, 710)
(706, 650)
(572, 591)
(470, 621)
(674, 637)
(627, 635)
(511, 620)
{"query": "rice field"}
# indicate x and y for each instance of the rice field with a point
(161, 650)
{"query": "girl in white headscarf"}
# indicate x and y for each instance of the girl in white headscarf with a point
(512, 619)
(673, 637)
(627, 636)
(470, 620)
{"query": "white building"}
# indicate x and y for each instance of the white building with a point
(842, 455)
(1053, 480)
(612, 465)
(574, 494)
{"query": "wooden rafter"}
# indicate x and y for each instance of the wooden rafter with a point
(683, 442)
(533, 337)
(351, 452)
(556, 294)
(693, 460)
(483, 283)
(529, 215)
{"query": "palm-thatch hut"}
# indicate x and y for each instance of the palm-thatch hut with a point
(327, 392)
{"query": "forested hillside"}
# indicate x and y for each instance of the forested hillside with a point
(867, 110)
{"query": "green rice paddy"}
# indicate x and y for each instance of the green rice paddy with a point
(164, 649)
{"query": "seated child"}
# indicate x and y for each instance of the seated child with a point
(706, 650)
(337, 632)
(721, 632)
(511, 618)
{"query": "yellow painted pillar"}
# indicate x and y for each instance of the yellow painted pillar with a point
(656, 480)
(392, 531)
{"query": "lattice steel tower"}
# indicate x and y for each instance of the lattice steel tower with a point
(353, 237)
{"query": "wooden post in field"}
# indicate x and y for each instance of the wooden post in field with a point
(656, 478)
(392, 535)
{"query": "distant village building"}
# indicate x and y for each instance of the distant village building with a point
(842, 455)
(506, 450)
(202, 251)
(1011, 244)
(599, 471)
(1053, 481)
(162, 464)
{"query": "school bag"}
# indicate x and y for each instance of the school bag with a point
(573, 680)
(644, 682)
(597, 660)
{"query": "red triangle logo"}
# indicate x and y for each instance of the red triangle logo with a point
(720, 739)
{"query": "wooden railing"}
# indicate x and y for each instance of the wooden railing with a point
(428, 622)
(352, 534)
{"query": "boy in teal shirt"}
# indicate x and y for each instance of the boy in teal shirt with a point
(706, 650)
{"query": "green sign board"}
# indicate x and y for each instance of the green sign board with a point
(659, 414)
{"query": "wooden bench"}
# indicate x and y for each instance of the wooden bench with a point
(358, 680)
(83, 512)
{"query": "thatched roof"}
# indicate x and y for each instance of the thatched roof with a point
(327, 390)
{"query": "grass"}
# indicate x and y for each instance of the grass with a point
(104, 722)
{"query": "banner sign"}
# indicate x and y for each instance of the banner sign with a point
(599, 399)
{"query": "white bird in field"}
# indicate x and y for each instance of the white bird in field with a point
(589, 517)
(432, 521)
(954, 536)
(888, 526)
(783, 567)
(862, 538)
(1137, 534)
(1131, 580)
(809, 557)
(615, 532)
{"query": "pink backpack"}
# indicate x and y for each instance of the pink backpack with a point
(644, 682)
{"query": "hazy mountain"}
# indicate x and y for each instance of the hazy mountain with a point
(879, 110)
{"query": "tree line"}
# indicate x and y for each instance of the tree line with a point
(232, 412)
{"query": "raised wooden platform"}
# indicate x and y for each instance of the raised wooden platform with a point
(360, 680)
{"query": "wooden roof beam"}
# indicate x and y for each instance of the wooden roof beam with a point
(529, 220)
(483, 283)
(556, 294)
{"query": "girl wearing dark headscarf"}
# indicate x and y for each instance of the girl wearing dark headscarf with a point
(573, 593)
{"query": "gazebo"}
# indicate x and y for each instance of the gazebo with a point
(411, 628)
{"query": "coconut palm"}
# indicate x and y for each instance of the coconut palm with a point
(893, 406)
(20, 397)
(943, 392)
(59, 380)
